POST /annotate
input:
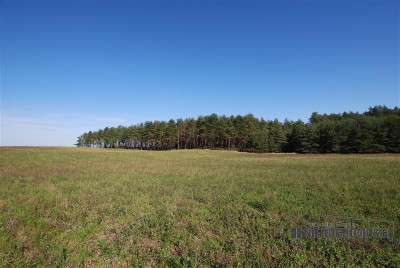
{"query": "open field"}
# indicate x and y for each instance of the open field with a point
(96, 207)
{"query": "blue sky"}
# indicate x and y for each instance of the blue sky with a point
(68, 67)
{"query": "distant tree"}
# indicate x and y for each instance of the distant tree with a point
(375, 131)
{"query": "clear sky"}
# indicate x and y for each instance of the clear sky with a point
(68, 67)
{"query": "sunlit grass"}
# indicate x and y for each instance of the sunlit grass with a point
(96, 207)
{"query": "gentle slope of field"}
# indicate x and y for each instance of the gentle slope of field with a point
(74, 206)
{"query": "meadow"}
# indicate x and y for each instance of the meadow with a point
(108, 207)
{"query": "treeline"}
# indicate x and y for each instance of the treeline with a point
(374, 131)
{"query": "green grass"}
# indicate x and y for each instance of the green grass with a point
(97, 207)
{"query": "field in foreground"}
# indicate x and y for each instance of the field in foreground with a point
(97, 207)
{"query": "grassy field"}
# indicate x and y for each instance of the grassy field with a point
(96, 207)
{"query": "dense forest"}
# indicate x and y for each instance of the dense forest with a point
(374, 131)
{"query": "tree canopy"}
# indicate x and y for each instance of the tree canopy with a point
(374, 131)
